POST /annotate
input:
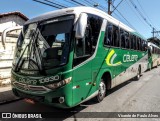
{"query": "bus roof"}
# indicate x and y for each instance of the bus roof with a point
(77, 11)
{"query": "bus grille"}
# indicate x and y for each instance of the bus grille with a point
(32, 88)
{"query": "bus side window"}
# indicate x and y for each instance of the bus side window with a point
(122, 36)
(111, 35)
(108, 35)
(132, 42)
(137, 46)
(85, 47)
(109, 38)
(143, 45)
(127, 40)
(115, 36)
(139, 43)
(95, 23)
(146, 45)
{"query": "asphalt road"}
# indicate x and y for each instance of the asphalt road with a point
(131, 96)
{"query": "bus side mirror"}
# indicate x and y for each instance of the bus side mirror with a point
(81, 25)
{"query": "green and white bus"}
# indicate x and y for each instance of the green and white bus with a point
(68, 56)
(153, 55)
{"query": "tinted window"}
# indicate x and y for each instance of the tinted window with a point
(108, 35)
(127, 42)
(135, 42)
(122, 36)
(112, 35)
(115, 36)
(132, 42)
(85, 47)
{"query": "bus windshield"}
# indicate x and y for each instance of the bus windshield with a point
(44, 45)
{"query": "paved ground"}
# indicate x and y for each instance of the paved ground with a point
(132, 96)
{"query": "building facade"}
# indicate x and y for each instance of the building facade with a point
(8, 20)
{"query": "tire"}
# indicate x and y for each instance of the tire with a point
(150, 67)
(138, 74)
(101, 91)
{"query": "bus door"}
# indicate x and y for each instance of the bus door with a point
(84, 54)
(82, 71)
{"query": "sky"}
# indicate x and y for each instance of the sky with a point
(149, 9)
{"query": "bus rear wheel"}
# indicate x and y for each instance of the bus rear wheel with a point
(101, 92)
(138, 74)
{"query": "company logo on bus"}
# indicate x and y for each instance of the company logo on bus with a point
(126, 58)
(110, 58)
(129, 58)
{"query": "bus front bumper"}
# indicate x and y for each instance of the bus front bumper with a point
(61, 97)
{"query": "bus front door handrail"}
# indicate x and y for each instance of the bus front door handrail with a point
(4, 33)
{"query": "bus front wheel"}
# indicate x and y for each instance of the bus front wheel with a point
(101, 92)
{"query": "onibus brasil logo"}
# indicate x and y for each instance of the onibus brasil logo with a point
(110, 58)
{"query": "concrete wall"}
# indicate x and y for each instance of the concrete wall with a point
(10, 21)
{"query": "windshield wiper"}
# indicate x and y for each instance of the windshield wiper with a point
(17, 65)
(20, 59)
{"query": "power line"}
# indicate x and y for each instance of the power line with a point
(143, 10)
(142, 16)
(78, 2)
(71, 2)
(47, 4)
(93, 3)
(124, 17)
(136, 13)
(157, 32)
(117, 6)
(154, 31)
(55, 3)
(140, 13)
(101, 6)
(88, 2)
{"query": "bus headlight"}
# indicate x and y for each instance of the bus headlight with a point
(58, 84)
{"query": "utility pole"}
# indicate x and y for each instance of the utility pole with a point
(154, 31)
(109, 7)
